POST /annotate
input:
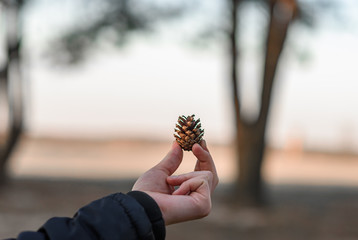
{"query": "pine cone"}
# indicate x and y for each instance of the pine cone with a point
(188, 132)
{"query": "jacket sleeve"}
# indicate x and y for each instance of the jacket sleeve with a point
(118, 216)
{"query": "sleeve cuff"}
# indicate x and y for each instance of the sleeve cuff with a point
(153, 212)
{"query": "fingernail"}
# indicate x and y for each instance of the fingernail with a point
(203, 143)
(199, 145)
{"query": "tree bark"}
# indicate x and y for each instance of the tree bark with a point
(250, 135)
(11, 87)
(251, 147)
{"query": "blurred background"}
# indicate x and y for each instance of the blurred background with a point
(91, 92)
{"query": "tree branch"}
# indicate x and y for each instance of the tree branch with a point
(282, 12)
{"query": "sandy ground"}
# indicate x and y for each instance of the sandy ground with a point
(308, 195)
(118, 159)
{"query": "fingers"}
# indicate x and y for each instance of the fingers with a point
(176, 180)
(190, 186)
(172, 160)
(190, 182)
(205, 162)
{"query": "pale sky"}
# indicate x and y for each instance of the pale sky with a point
(140, 91)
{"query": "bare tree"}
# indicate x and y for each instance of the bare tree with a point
(10, 84)
(250, 134)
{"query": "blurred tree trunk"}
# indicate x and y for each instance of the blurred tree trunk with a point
(250, 134)
(10, 86)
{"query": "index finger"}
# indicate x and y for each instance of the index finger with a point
(205, 161)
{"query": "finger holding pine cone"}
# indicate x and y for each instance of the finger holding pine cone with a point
(188, 132)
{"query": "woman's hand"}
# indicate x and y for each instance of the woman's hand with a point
(192, 198)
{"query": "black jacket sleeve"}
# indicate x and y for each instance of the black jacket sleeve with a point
(118, 216)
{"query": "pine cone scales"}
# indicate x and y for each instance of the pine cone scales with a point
(188, 132)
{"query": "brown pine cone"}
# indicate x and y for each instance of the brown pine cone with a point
(188, 132)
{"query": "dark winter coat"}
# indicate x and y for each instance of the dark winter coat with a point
(116, 217)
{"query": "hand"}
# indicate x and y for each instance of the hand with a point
(192, 199)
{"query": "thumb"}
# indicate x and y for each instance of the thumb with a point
(172, 160)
